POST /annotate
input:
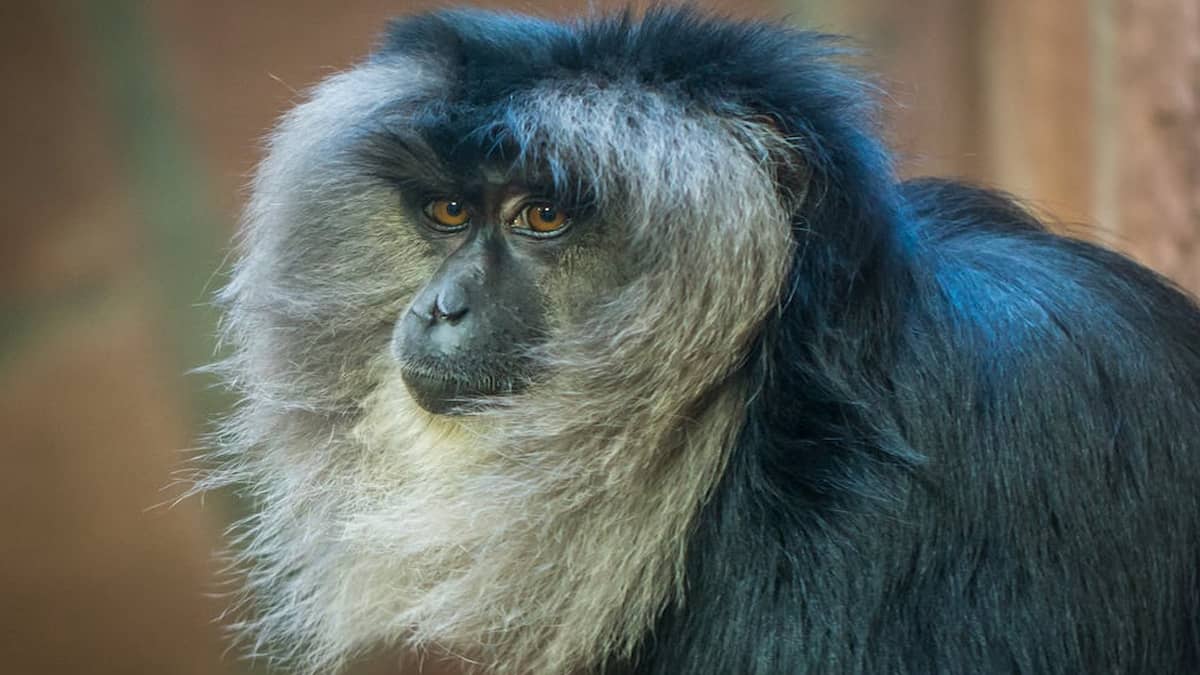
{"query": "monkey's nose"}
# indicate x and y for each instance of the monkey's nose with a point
(451, 303)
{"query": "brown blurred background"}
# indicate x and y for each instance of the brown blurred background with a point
(129, 132)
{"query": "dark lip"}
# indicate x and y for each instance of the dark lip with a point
(425, 375)
(445, 395)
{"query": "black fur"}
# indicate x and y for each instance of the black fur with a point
(974, 446)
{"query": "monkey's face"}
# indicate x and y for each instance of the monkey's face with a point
(470, 245)
(508, 263)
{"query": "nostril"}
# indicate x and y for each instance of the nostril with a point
(451, 303)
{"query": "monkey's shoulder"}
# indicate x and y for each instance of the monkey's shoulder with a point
(1010, 321)
(992, 266)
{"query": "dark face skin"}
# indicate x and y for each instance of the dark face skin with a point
(467, 332)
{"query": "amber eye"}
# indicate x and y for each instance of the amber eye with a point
(447, 212)
(543, 217)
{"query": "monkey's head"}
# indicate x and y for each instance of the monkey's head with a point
(500, 292)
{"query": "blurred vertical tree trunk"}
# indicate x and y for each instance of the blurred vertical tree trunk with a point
(1038, 117)
(1158, 134)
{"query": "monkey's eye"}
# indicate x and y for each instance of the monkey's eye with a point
(542, 219)
(447, 213)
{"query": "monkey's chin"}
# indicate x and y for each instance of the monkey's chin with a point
(444, 395)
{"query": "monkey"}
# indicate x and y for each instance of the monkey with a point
(616, 345)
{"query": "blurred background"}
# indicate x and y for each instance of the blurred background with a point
(130, 131)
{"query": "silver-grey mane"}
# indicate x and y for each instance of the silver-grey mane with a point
(551, 527)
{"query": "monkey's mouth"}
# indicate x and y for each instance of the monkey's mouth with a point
(442, 394)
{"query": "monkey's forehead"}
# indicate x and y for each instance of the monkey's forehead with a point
(700, 63)
(494, 55)
(573, 105)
